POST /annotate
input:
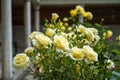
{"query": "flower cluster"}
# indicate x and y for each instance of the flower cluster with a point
(80, 11)
(70, 52)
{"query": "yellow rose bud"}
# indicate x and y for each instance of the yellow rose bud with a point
(51, 25)
(71, 45)
(79, 8)
(49, 32)
(102, 19)
(21, 61)
(29, 51)
(61, 23)
(65, 19)
(73, 13)
(89, 15)
(69, 28)
(63, 28)
(107, 34)
(66, 24)
(74, 30)
(54, 16)
(83, 13)
(77, 68)
(110, 64)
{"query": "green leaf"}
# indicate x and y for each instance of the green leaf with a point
(116, 73)
(97, 24)
(88, 24)
(117, 52)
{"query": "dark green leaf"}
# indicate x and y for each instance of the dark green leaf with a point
(88, 24)
(117, 52)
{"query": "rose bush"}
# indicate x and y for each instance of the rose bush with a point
(68, 50)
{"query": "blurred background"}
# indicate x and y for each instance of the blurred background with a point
(109, 11)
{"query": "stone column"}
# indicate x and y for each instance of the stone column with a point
(37, 17)
(27, 21)
(80, 17)
(6, 19)
(27, 25)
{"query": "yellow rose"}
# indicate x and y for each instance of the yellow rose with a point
(69, 29)
(49, 32)
(43, 40)
(81, 28)
(60, 42)
(74, 30)
(76, 54)
(36, 43)
(61, 23)
(66, 24)
(79, 8)
(90, 54)
(54, 16)
(29, 51)
(89, 34)
(110, 64)
(21, 61)
(95, 31)
(83, 13)
(89, 15)
(107, 34)
(51, 25)
(33, 34)
(63, 28)
(65, 19)
(73, 13)
(97, 38)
